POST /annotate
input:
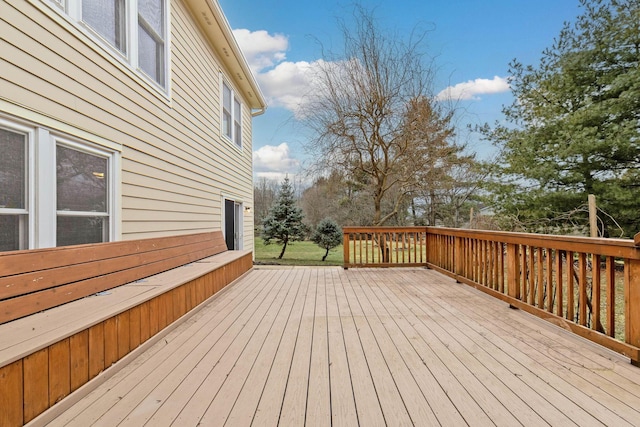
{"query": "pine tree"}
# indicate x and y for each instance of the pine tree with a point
(327, 235)
(574, 125)
(284, 223)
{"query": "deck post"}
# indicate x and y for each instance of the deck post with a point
(632, 303)
(513, 271)
(345, 244)
(636, 239)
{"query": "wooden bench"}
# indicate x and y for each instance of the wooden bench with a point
(69, 313)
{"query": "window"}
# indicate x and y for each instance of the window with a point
(13, 190)
(82, 197)
(141, 41)
(151, 38)
(54, 190)
(107, 18)
(231, 115)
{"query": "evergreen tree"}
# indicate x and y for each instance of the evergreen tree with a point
(574, 125)
(284, 223)
(327, 235)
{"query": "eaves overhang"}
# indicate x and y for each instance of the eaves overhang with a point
(214, 23)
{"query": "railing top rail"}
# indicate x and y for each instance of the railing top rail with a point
(381, 229)
(623, 248)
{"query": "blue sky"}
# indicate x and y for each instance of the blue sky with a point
(473, 42)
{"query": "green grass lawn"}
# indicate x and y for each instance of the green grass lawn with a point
(297, 253)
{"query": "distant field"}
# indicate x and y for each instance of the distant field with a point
(297, 253)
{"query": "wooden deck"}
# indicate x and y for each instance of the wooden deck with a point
(326, 346)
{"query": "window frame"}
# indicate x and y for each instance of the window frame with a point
(235, 126)
(26, 214)
(72, 9)
(59, 140)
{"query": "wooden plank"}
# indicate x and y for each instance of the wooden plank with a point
(364, 391)
(343, 405)
(610, 277)
(559, 285)
(268, 410)
(24, 283)
(123, 330)
(135, 329)
(59, 371)
(535, 343)
(294, 405)
(19, 262)
(632, 303)
(24, 305)
(36, 385)
(203, 372)
(227, 399)
(389, 396)
(110, 342)
(383, 326)
(96, 350)
(318, 409)
(561, 396)
(165, 364)
(145, 322)
(244, 408)
(79, 359)
(11, 395)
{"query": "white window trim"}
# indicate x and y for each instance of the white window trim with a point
(29, 208)
(40, 203)
(129, 59)
(112, 189)
(234, 97)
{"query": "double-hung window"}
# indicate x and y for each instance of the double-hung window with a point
(14, 182)
(151, 44)
(55, 190)
(135, 29)
(82, 195)
(108, 18)
(231, 115)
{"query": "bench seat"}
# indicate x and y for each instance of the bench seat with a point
(55, 346)
(27, 335)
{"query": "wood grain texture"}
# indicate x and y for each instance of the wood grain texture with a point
(320, 346)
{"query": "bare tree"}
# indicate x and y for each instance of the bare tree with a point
(362, 112)
(265, 193)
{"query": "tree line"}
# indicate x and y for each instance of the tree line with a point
(388, 152)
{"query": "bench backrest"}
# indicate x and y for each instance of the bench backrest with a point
(35, 280)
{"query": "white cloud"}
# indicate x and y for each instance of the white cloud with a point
(272, 160)
(287, 84)
(261, 49)
(472, 88)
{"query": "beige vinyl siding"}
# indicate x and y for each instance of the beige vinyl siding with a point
(175, 164)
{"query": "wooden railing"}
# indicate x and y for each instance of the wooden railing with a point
(589, 286)
(385, 246)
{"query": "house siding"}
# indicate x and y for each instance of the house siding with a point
(176, 167)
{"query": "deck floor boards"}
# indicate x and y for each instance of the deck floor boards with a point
(326, 346)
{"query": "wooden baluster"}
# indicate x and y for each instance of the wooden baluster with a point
(549, 280)
(540, 284)
(571, 303)
(513, 272)
(582, 289)
(610, 276)
(559, 285)
(595, 293)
